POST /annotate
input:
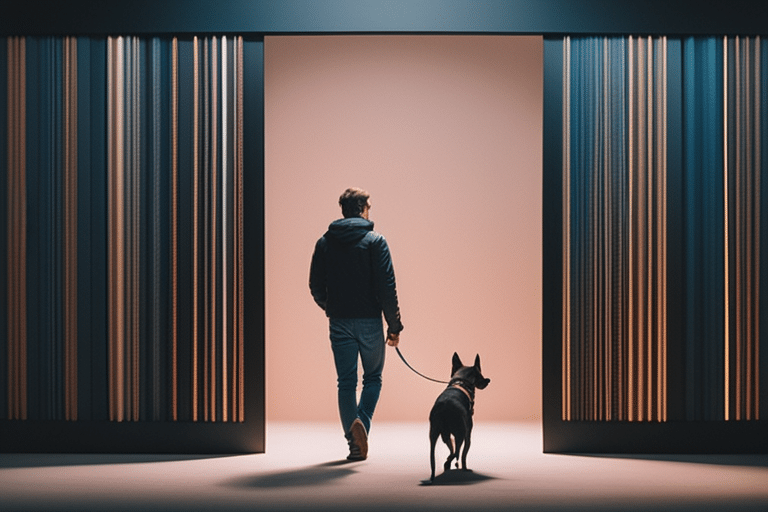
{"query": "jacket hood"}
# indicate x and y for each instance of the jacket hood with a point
(349, 231)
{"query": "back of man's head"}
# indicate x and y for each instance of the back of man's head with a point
(353, 202)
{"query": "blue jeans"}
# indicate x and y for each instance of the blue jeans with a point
(352, 338)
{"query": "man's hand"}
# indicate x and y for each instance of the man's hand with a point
(393, 339)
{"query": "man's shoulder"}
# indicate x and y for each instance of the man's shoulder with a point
(375, 236)
(376, 241)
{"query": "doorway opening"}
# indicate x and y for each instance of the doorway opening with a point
(445, 132)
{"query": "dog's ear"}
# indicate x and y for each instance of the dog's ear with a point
(456, 363)
(477, 363)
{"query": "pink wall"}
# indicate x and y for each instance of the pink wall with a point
(445, 133)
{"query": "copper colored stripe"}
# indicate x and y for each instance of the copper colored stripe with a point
(237, 156)
(136, 212)
(117, 233)
(737, 235)
(633, 242)
(17, 309)
(206, 301)
(110, 234)
(70, 226)
(727, 341)
(224, 232)
(214, 223)
(566, 348)
(643, 267)
(240, 256)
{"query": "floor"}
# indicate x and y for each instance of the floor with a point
(304, 469)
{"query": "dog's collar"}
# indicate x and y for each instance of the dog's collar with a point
(464, 388)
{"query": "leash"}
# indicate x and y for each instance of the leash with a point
(417, 373)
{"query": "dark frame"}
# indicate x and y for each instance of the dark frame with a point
(257, 18)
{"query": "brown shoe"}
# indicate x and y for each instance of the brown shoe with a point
(354, 452)
(358, 448)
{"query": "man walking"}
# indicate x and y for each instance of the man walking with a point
(352, 279)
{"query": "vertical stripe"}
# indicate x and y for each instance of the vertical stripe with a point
(195, 223)
(758, 76)
(206, 173)
(726, 273)
(212, 332)
(566, 345)
(135, 219)
(631, 400)
(224, 230)
(156, 234)
(742, 138)
(662, 398)
(70, 226)
(240, 236)
(116, 179)
(17, 229)
(175, 229)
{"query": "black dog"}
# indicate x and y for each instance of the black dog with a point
(452, 413)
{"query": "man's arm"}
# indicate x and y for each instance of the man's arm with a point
(317, 275)
(386, 291)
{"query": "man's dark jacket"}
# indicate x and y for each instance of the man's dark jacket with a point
(351, 275)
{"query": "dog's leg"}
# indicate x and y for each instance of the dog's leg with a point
(447, 440)
(433, 435)
(459, 442)
(466, 449)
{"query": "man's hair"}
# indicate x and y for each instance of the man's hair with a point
(353, 201)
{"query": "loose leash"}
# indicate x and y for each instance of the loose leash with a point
(417, 373)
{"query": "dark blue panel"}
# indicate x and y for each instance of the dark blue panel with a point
(703, 226)
(184, 264)
(253, 191)
(552, 225)
(97, 180)
(85, 336)
(37, 138)
(676, 283)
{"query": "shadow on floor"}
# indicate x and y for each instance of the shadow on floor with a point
(320, 474)
(458, 477)
(41, 460)
(745, 460)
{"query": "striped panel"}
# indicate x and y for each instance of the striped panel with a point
(42, 228)
(17, 230)
(743, 81)
(616, 265)
(166, 177)
(144, 173)
(614, 347)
